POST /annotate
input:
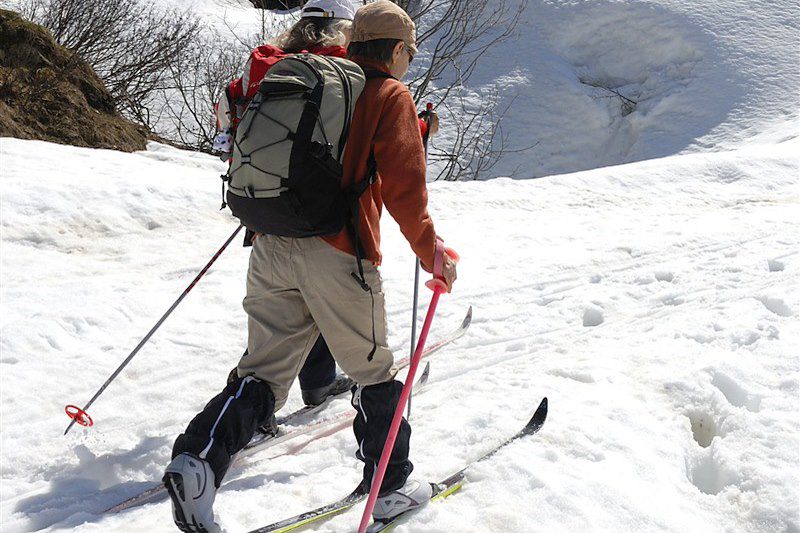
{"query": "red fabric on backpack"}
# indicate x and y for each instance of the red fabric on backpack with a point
(241, 90)
(261, 60)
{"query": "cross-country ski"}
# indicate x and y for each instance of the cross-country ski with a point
(442, 489)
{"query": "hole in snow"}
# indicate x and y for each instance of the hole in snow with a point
(610, 83)
(592, 317)
(663, 275)
(704, 428)
(705, 474)
(775, 265)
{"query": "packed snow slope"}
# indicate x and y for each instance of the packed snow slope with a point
(655, 301)
(656, 305)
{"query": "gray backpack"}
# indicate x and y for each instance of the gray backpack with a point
(286, 171)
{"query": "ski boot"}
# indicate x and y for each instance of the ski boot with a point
(410, 496)
(190, 483)
(342, 383)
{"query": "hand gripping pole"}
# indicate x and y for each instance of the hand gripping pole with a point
(438, 288)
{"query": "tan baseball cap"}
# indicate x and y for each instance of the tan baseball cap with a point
(383, 19)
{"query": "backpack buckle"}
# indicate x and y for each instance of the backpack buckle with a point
(319, 150)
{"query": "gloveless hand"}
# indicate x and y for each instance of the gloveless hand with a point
(449, 271)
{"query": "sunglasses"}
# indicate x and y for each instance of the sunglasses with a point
(410, 53)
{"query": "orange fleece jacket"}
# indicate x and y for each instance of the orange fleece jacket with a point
(385, 122)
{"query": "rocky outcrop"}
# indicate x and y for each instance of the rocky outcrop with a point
(49, 93)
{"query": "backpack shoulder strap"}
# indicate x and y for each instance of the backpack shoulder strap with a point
(372, 73)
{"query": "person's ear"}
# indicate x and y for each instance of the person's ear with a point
(398, 50)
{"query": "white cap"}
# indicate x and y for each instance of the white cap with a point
(338, 9)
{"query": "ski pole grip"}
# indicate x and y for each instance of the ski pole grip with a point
(438, 265)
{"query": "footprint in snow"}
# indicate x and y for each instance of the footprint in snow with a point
(671, 299)
(704, 427)
(580, 377)
(735, 393)
(706, 473)
(744, 338)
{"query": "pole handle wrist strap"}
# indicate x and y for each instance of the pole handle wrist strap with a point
(438, 265)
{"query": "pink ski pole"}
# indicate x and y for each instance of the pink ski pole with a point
(438, 287)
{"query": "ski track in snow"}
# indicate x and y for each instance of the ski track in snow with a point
(655, 303)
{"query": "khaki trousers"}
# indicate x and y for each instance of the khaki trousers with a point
(299, 288)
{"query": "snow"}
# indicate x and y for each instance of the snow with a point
(652, 296)
(706, 77)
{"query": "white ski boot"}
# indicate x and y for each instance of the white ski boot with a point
(410, 496)
(190, 483)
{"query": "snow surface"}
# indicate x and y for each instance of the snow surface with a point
(705, 76)
(655, 303)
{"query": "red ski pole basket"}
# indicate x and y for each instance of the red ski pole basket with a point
(79, 415)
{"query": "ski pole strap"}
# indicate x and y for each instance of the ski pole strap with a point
(438, 258)
(438, 265)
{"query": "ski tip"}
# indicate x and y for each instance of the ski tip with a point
(425, 373)
(468, 318)
(538, 418)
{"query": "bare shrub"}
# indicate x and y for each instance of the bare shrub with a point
(626, 105)
(199, 77)
(478, 142)
(207, 66)
(277, 4)
(131, 45)
(165, 74)
(458, 34)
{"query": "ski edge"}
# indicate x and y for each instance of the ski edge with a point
(330, 510)
(455, 482)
